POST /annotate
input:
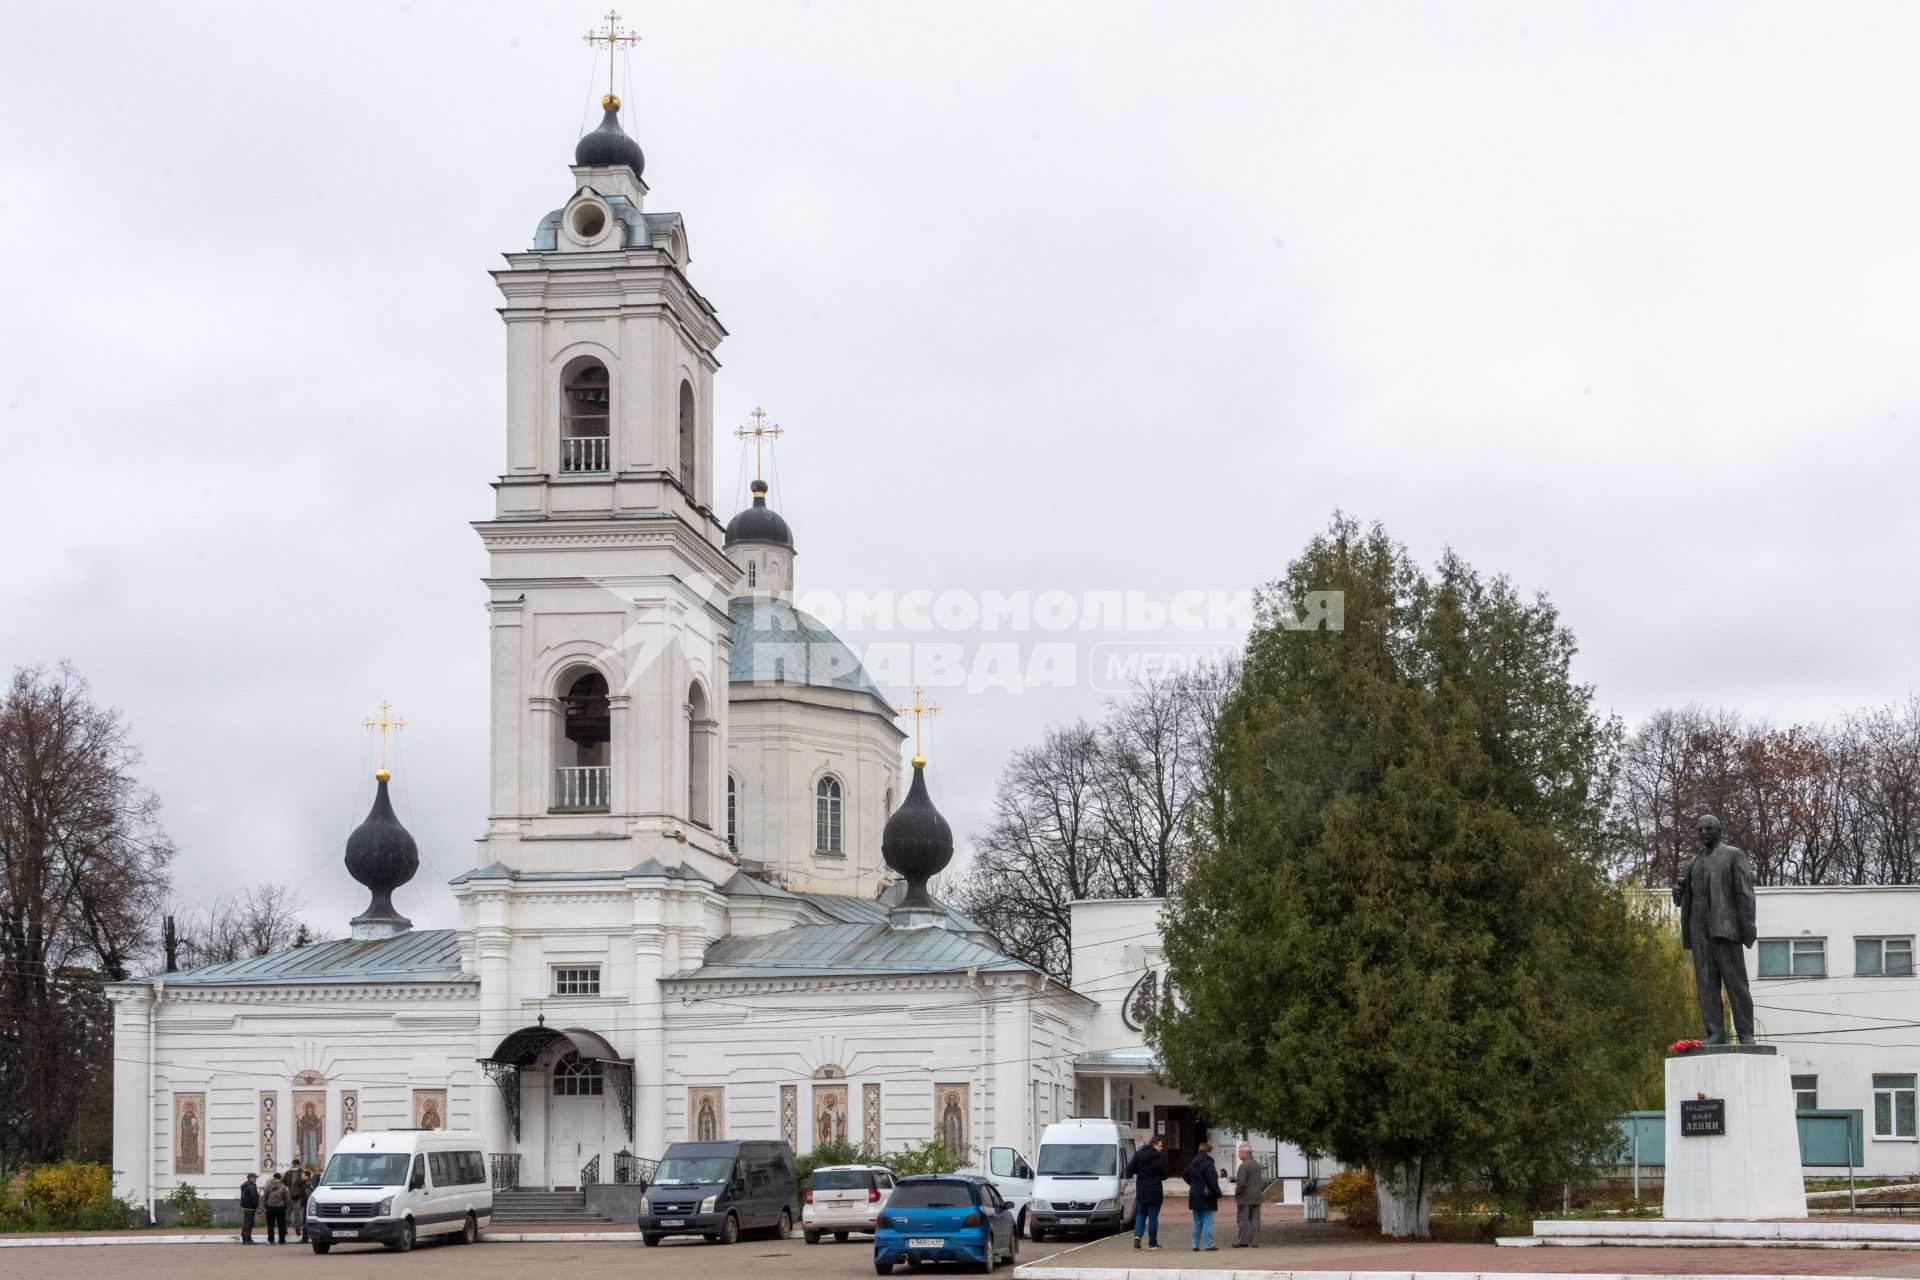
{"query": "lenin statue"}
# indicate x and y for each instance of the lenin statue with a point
(1715, 895)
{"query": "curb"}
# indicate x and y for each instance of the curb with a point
(1173, 1273)
(34, 1242)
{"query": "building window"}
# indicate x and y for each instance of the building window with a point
(582, 777)
(1893, 1107)
(753, 573)
(827, 802)
(733, 813)
(577, 980)
(587, 409)
(573, 1078)
(1806, 1093)
(1793, 957)
(687, 451)
(1883, 957)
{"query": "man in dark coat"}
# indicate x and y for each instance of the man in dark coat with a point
(1714, 893)
(249, 1206)
(1148, 1169)
(1203, 1195)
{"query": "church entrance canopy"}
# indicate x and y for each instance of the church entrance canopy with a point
(535, 1045)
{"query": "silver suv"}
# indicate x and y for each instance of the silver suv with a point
(844, 1198)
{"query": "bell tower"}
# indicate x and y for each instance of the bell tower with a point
(607, 583)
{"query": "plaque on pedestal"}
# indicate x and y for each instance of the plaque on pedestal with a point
(1733, 1149)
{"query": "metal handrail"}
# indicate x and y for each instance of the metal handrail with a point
(590, 1173)
(503, 1169)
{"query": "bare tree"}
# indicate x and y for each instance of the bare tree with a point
(254, 922)
(1095, 811)
(83, 866)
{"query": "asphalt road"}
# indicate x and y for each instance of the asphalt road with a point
(628, 1259)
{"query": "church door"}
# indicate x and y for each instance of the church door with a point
(576, 1122)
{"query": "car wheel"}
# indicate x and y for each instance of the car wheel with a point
(407, 1237)
(469, 1231)
(840, 1237)
(651, 1239)
(321, 1246)
(730, 1232)
(1020, 1224)
(810, 1235)
(1037, 1234)
(882, 1268)
(786, 1225)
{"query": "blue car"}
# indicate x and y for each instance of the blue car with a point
(950, 1217)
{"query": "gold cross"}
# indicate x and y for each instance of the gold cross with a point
(919, 711)
(613, 37)
(761, 431)
(383, 726)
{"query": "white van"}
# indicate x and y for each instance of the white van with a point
(1081, 1182)
(394, 1187)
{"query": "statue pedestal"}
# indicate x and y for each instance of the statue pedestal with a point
(1733, 1149)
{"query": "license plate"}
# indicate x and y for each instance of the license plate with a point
(1073, 1222)
(926, 1244)
(673, 1222)
(346, 1231)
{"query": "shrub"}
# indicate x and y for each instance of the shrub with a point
(1352, 1192)
(194, 1211)
(923, 1157)
(825, 1154)
(62, 1197)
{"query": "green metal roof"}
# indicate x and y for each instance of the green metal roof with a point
(419, 955)
(847, 950)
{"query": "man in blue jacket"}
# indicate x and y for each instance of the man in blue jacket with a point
(1148, 1169)
(1203, 1195)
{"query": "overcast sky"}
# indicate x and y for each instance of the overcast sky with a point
(1619, 300)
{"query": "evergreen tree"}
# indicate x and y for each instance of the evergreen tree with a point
(1400, 946)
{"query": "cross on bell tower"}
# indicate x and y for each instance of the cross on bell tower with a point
(758, 433)
(613, 37)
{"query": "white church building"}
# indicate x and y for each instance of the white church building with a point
(698, 907)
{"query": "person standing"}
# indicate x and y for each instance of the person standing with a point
(298, 1185)
(1249, 1184)
(1203, 1196)
(1148, 1169)
(249, 1205)
(275, 1200)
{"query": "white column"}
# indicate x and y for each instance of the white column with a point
(1012, 1073)
(649, 1046)
(495, 946)
(132, 1093)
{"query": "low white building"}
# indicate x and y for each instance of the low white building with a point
(1120, 963)
(1834, 987)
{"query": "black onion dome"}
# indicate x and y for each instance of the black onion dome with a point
(917, 841)
(759, 522)
(609, 144)
(382, 855)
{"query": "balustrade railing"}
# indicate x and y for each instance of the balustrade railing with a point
(583, 454)
(583, 788)
(590, 1173)
(504, 1170)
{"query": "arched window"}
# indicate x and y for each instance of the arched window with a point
(733, 813)
(888, 810)
(827, 802)
(753, 573)
(701, 731)
(586, 410)
(686, 437)
(573, 1078)
(582, 777)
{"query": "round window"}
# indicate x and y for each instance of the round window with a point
(589, 220)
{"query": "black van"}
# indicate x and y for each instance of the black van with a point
(720, 1189)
